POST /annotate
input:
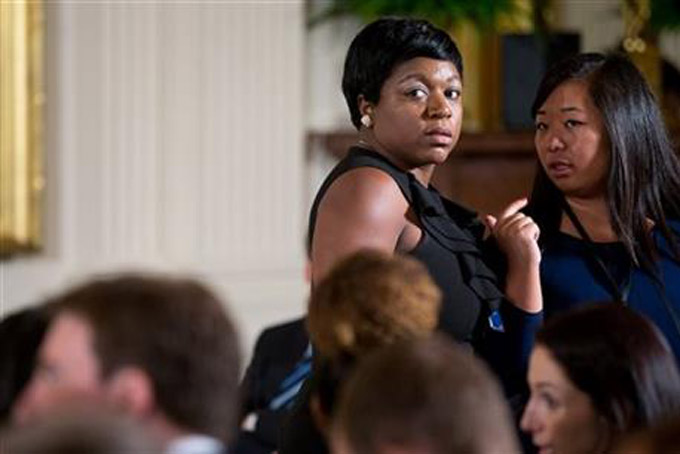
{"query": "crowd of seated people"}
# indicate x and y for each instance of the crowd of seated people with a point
(427, 395)
(161, 352)
(368, 300)
(428, 330)
(151, 363)
(81, 430)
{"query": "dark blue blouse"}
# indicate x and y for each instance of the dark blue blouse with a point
(570, 278)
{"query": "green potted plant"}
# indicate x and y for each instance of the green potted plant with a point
(444, 13)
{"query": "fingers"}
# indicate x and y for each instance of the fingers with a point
(527, 227)
(507, 222)
(514, 227)
(490, 221)
(517, 224)
(512, 223)
(513, 208)
(534, 230)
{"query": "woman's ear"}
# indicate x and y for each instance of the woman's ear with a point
(365, 107)
(366, 111)
(131, 389)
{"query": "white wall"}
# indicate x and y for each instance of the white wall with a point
(175, 140)
(325, 108)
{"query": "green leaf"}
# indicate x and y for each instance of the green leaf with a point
(444, 13)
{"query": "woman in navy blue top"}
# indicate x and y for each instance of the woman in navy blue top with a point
(607, 192)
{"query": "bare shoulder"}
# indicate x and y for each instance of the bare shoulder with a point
(365, 191)
(363, 208)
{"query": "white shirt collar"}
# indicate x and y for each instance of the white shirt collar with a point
(195, 444)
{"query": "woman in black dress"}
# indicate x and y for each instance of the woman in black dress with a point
(403, 82)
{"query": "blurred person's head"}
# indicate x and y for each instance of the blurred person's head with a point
(368, 300)
(79, 431)
(425, 396)
(371, 299)
(162, 349)
(596, 374)
(20, 336)
(403, 82)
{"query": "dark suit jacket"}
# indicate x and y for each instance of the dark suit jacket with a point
(277, 351)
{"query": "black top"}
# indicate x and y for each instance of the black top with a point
(448, 247)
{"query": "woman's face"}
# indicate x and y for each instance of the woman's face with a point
(418, 118)
(560, 418)
(571, 141)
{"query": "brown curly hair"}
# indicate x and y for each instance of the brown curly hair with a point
(371, 299)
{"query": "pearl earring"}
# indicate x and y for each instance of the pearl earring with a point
(366, 121)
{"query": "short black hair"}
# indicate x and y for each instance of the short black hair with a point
(381, 46)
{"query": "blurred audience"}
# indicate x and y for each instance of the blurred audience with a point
(161, 349)
(368, 300)
(80, 431)
(426, 396)
(596, 374)
(20, 336)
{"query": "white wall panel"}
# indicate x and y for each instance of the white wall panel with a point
(175, 143)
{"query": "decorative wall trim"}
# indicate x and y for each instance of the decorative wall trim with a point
(178, 147)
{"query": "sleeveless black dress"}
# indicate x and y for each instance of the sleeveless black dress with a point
(448, 247)
(474, 311)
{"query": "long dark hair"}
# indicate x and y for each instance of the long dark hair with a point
(620, 360)
(644, 176)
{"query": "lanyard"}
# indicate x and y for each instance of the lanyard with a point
(619, 294)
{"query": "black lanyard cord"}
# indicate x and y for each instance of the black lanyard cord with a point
(619, 295)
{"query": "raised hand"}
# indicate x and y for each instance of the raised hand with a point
(517, 236)
(516, 233)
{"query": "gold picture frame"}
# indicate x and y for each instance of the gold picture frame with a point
(22, 99)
